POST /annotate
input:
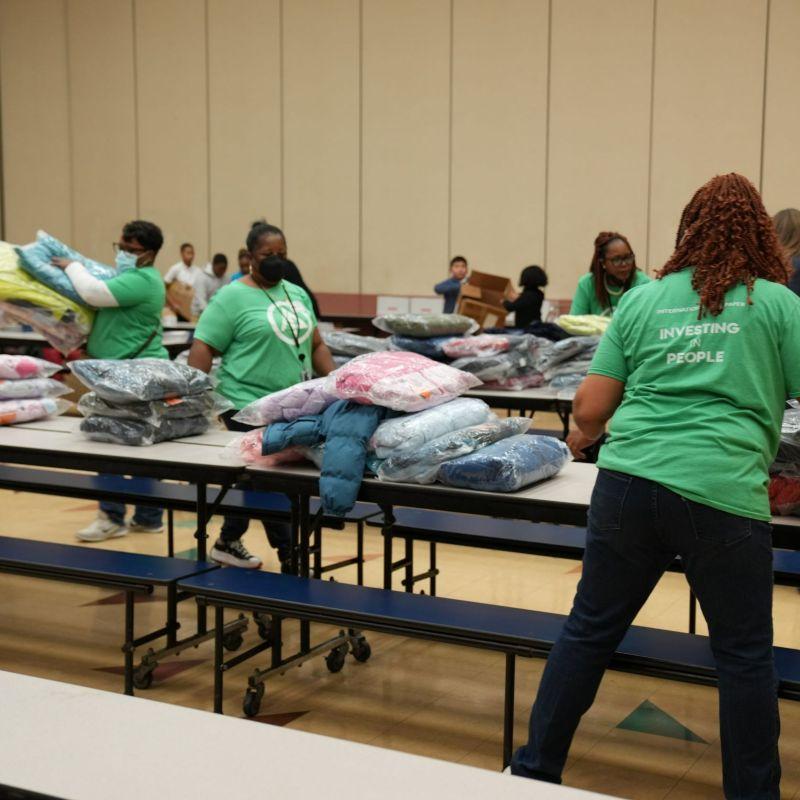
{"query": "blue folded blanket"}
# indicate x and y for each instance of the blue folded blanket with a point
(508, 465)
(35, 259)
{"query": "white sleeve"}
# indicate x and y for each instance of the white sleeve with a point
(172, 273)
(92, 290)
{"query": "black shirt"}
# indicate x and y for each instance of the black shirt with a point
(527, 307)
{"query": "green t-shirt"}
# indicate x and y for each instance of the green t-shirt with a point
(252, 329)
(120, 332)
(704, 398)
(585, 300)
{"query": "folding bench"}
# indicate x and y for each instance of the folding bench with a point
(127, 572)
(511, 631)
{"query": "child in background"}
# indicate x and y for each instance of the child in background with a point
(527, 306)
(451, 288)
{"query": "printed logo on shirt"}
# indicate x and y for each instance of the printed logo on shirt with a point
(694, 354)
(286, 319)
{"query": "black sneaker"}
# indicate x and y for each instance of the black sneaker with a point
(235, 554)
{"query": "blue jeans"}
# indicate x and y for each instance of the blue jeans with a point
(142, 515)
(636, 528)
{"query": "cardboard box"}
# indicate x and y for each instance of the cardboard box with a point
(489, 289)
(179, 298)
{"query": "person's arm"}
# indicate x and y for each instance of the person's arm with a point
(201, 356)
(596, 400)
(580, 302)
(449, 286)
(91, 290)
(321, 357)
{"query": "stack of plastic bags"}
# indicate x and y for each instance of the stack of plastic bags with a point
(784, 482)
(345, 346)
(27, 301)
(566, 363)
(28, 391)
(144, 401)
(505, 364)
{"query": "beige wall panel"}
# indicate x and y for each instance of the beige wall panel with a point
(781, 178)
(245, 119)
(708, 97)
(36, 130)
(405, 144)
(103, 116)
(172, 122)
(499, 133)
(321, 140)
(601, 63)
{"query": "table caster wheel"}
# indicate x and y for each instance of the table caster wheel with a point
(361, 650)
(232, 640)
(143, 676)
(335, 659)
(252, 700)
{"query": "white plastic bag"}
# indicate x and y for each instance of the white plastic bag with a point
(32, 387)
(300, 400)
(15, 368)
(16, 411)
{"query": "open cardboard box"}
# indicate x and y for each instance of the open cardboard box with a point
(489, 289)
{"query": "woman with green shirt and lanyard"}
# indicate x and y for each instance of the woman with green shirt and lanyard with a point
(266, 332)
(693, 373)
(127, 325)
(611, 274)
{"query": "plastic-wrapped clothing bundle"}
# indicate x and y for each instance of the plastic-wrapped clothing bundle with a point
(15, 368)
(346, 429)
(140, 379)
(32, 387)
(425, 326)
(484, 344)
(245, 450)
(787, 460)
(519, 360)
(570, 380)
(430, 348)
(784, 494)
(208, 404)
(398, 380)
(410, 432)
(508, 465)
(36, 259)
(342, 343)
(117, 430)
(15, 411)
(516, 383)
(576, 366)
(340, 361)
(301, 400)
(584, 324)
(64, 323)
(564, 350)
(422, 465)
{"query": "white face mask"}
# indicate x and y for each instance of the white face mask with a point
(126, 260)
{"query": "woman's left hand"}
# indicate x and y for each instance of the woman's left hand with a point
(577, 443)
(61, 263)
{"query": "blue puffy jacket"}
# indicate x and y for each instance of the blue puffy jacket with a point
(346, 429)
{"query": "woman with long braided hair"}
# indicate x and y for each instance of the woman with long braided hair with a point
(695, 369)
(612, 273)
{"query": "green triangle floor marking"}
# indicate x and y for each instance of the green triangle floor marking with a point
(649, 718)
(191, 554)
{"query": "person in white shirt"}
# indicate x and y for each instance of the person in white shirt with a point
(216, 276)
(185, 271)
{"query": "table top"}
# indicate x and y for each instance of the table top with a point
(58, 443)
(173, 336)
(143, 748)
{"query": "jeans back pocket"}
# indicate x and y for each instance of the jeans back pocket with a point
(717, 527)
(608, 500)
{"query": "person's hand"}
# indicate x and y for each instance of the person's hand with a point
(577, 443)
(61, 263)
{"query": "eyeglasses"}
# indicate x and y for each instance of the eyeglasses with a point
(622, 261)
(126, 248)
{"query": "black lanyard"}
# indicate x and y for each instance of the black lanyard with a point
(295, 334)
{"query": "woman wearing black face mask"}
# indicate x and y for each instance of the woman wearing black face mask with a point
(264, 328)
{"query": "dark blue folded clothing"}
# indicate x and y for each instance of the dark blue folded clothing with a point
(430, 348)
(508, 465)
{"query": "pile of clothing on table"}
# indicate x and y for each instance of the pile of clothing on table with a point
(28, 391)
(398, 415)
(784, 478)
(145, 401)
(509, 360)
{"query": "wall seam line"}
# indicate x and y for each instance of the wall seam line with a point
(281, 76)
(545, 239)
(70, 135)
(136, 143)
(360, 222)
(648, 223)
(450, 137)
(764, 99)
(208, 130)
